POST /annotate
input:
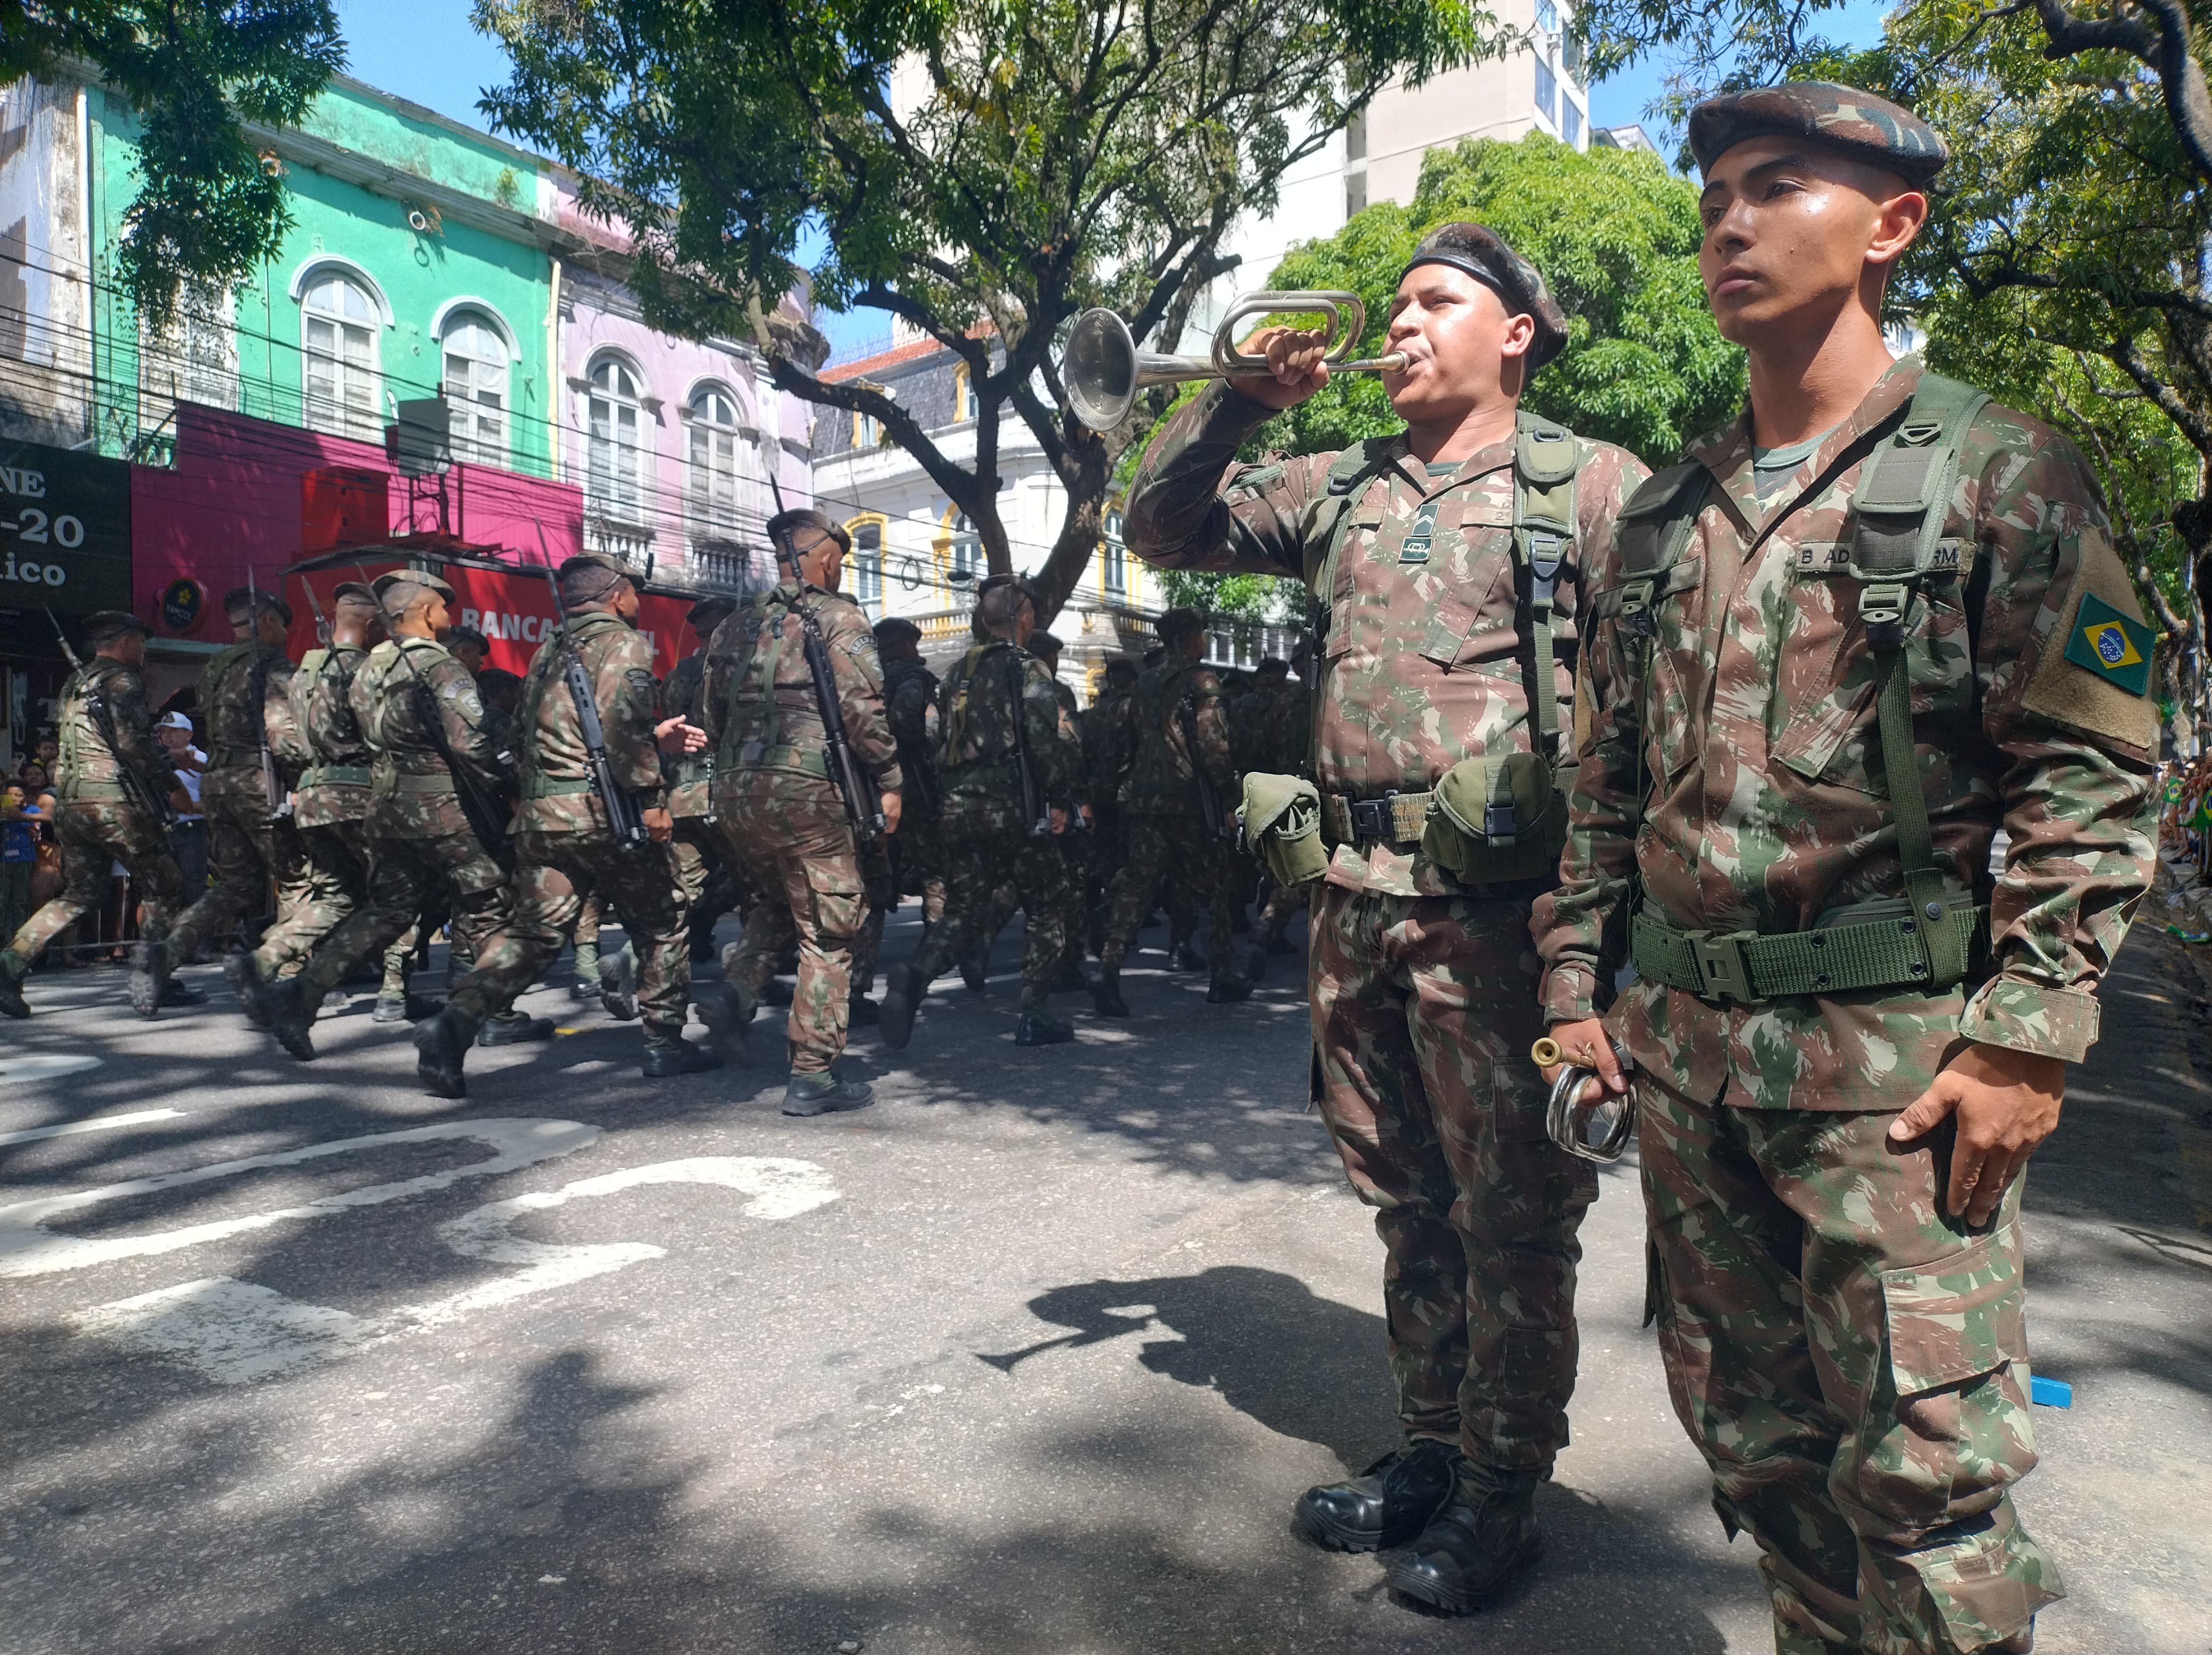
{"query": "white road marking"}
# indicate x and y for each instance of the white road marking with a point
(104, 1124)
(236, 1331)
(28, 1248)
(26, 1068)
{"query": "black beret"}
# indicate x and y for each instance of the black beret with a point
(1482, 254)
(103, 625)
(710, 609)
(894, 628)
(1859, 124)
(1176, 624)
(1043, 642)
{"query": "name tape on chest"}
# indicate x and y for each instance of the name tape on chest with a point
(2115, 647)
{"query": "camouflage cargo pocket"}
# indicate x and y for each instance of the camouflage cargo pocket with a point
(840, 902)
(1950, 1427)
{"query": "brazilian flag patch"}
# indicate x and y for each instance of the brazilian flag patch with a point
(2115, 646)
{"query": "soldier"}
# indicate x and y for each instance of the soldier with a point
(1854, 634)
(910, 703)
(439, 788)
(1103, 762)
(782, 811)
(990, 826)
(107, 745)
(469, 648)
(1075, 843)
(1282, 745)
(565, 841)
(330, 803)
(242, 695)
(1452, 558)
(1176, 733)
(703, 863)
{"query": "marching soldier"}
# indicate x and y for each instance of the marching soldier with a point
(438, 790)
(781, 809)
(1075, 843)
(566, 839)
(111, 777)
(1176, 734)
(251, 841)
(1282, 745)
(910, 704)
(702, 862)
(1103, 759)
(1451, 555)
(1853, 634)
(1008, 755)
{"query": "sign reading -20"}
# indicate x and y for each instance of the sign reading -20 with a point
(64, 528)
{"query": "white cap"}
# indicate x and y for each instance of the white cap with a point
(175, 722)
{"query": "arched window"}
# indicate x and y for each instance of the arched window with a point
(339, 366)
(614, 458)
(713, 490)
(966, 552)
(868, 564)
(474, 384)
(1113, 559)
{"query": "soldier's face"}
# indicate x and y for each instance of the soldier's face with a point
(1463, 350)
(1793, 234)
(130, 649)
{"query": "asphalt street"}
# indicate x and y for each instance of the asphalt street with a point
(1034, 1355)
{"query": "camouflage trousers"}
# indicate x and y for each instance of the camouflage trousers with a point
(711, 884)
(95, 834)
(1423, 1009)
(802, 867)
(247, 853)
(1194, 865)
(554, 873)
(981, 868)
(334, 858)
(1283, 903)
(1852, 1364)
(918, 865)
(407, 873)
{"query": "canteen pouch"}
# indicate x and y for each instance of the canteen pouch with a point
(1496, 820)
(1280, 823)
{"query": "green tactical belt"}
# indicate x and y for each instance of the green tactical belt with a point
(1748, 966)
(429, 781)
(555, 787)
(336, 775)
(785, 758)
(1396, 819)
(103, 791)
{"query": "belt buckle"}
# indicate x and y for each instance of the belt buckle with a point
(1371, 822)
(1722, 972)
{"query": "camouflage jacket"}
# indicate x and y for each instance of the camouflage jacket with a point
(1761, 762)
(86, 767)
(235, 727)
(1276, 732)
(762, 716)
(1423, 664)
(975, 754)
(910, 703)
(1104, 730)
(686, 774)
(414, 790)
(1160, 780)
(553, 770)
(334, 785)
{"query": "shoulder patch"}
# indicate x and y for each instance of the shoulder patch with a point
(2093, 674)
(2116, 648)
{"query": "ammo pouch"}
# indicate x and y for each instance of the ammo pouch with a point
(1280, 823)
(1493, 820)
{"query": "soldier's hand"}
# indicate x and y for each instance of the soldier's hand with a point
(659, 826)
(890, 803)
(674, 735)
(182, 802)
(1089, 820)
(1294, 358)
(1585, 1045)
(2006, 1102)
(1057, 813)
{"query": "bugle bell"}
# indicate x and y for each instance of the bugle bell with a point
(1103, 370)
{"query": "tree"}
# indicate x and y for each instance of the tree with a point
(984, 169)
(208, 209)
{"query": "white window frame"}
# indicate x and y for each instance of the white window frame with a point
(618, 456)
(482, 410)
(345, 355)
(868, 562)
(712, 477)
(1113, 557)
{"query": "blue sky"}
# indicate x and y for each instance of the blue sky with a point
(430, 54)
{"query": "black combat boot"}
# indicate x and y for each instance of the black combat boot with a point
(13, 970)
(975, 971)
(1106, 991)
(441, 1046)
(409, 1007)
(175, 991)
(1039, 1027)
(149, 973)
(676, 1055)
(1226, 989)
(1387, 1505)
(861, 1013)
(1069, 978)
(281, 1011)
(238, 970)
(776, 992)
(1484, 1535)
(1277, 941)
(513, 1028)
(725, 1008)
(618, 985)
(1184, 957)
(825, 1094)
(903, 992)
(586, 985)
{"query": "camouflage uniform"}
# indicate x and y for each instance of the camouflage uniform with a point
(918, 847)
(1163, 834)
(564, 848)
(1279, 742)
(98, 825)
(782, 814)
(988, 830)
(246, 850)
(1102, 729)
(704, 868)
(1850, 1359)
(330, 808)
(1423, 996)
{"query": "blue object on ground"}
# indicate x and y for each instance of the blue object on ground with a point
(2049, 1393)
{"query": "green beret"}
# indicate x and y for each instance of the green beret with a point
(1482, 254)
(1841, 118)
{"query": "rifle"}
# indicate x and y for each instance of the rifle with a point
(1209, 797)
(863, 811)
(324, 631)
(156, 805)
(1034, 805)
(274, 793)
(624, 819)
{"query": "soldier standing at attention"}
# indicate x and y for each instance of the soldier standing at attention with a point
(781, 809)
(990, 827)
(565, 842)
(419, 710)
(1174, 730)
(241, 688)
(106, 730)
(1452, 559)
(1856, 633)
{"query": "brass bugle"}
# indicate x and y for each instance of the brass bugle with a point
(1103, 370)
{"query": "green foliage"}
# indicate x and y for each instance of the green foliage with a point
(1616, 237)
(1254, 598)
(208, 209)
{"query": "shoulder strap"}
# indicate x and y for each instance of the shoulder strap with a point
(1545, 461)
(1349, 474)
